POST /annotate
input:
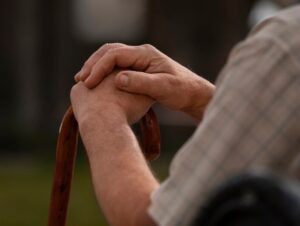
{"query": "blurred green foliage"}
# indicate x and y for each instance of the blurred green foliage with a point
(25, 187)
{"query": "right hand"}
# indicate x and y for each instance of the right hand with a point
(107, 102)
(149, 72)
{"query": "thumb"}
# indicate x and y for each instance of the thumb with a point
(138, 83)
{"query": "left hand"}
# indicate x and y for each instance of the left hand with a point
(147, 71)
(108, 103)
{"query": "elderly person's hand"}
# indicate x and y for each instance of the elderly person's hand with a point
(118, 167)
(149, 72)
(106, 102)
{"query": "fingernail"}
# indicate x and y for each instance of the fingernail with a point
(124, 80)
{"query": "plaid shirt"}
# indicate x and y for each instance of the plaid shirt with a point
(253, 121)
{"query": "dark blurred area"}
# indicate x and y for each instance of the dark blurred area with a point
(44, 43)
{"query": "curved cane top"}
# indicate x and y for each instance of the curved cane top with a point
(65, 160)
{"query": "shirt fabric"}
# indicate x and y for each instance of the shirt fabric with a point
(253, 121)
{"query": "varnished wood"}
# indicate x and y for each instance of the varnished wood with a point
(150, 136)
(65, 160)
(66, 150)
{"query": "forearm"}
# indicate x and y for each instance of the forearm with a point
(122, 179)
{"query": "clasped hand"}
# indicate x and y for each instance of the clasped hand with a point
(147, 76)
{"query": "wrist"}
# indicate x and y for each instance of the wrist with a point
(99, 124)
(102, 134)
(199, 98)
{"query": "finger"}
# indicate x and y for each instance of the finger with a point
(139, 83)
(88, 65)
(135, 57)
(77, 77)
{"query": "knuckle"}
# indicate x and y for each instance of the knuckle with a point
(109, 46)
(110, 51)
(111, 54)
(148, 47)
(74, 91)
(120, 51)
(104, 47)
(116, 45)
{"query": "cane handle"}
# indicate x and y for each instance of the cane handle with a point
(66, 150)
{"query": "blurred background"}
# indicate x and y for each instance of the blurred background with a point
(44, 43)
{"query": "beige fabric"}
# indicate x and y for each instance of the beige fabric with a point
(253, 121)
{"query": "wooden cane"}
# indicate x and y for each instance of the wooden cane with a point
(66, 150)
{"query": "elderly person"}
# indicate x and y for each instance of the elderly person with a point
(249, 119)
